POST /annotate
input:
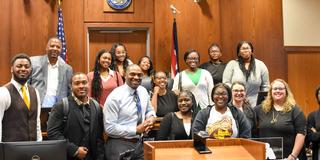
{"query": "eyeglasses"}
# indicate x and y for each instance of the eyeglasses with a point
(220, 94)
(278, 88)
(193, 59)
(237, 90)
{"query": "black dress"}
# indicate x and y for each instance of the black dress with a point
(172, 128)
(314, 137)
(167, 103)
(287, 126)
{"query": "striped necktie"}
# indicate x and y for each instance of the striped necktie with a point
(138, 104)
(25, 97)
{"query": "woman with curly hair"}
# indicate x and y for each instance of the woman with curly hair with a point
(146, 66)
(102, 80)
(120, 59)
(280, 116)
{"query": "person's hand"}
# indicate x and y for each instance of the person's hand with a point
(82, 152)
(156, 89)
(313, 129)
(146, 126)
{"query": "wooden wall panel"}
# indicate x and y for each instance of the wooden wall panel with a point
(5, 42)
(135, 44)
(198, 26)
(25, 27)
(303, 78)
(259, 22)
(75, 35)
(143, 12)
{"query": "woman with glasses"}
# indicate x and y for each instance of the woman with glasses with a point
(102, 80)
(120, 59)
(248, 70)
(198, 81)
(177, 125)
(162, 99)
(314, 128)
(222, 120)
(215, 65)
(279, 116)
(239, 100)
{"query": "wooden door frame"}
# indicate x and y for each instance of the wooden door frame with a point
(148, 27)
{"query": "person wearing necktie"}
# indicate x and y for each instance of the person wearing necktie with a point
(128, 114)
(84, 126)
(20, 104)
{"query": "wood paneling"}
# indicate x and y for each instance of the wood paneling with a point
(25, 27)
(135, 41)
(198, 26)
(259, 22)
(303, 78)
(142, 12)
(75, 35)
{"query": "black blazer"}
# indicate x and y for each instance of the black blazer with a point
(73, 129)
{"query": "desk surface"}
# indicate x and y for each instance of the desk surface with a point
(218, 153)
(231, 149)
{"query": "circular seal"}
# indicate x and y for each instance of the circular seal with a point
(119, 4)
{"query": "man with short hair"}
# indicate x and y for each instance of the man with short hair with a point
(19, 104)
(51, 76)
(127, 115)
(83, 126)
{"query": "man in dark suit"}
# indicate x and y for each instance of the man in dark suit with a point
(51, 77)
(83, 127)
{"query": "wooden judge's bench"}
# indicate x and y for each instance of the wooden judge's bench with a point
(225, 149)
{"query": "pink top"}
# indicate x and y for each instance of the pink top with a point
(108, 84)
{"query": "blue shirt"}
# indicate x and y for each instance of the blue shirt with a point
(120, 111)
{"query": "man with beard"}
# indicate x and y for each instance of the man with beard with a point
(19, 104)
(51, 76)
(83, 127)
(127, 115)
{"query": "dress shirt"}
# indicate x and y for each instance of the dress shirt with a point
(53, 81)
(120, 111)
(5, 103)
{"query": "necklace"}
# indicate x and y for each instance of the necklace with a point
(274, 119)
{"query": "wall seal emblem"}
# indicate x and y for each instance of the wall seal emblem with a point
(119, 4)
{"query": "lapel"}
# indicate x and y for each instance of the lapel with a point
(79, 116)
(45, 70)
(93, 115)
(60, 78)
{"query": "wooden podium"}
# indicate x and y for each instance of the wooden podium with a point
(231, 149)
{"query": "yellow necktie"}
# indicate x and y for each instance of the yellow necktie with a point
(25, 97)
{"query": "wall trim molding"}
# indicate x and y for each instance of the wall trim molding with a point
(289, 49)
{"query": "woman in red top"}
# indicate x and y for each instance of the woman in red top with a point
(102, 79)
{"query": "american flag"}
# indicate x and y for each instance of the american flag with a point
(61, 36)
(174, 51)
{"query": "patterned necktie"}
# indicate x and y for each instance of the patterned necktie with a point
(138, 104)
(25, 97)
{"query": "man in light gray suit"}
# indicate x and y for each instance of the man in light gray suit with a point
(51, 77)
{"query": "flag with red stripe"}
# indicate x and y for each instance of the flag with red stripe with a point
(174, 51)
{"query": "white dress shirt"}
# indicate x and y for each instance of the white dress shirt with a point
(120, 111)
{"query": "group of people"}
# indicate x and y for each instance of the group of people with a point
(123, 99)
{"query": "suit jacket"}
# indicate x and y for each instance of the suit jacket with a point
(38, 78)
(73, 129)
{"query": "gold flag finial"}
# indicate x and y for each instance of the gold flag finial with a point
(59, 3)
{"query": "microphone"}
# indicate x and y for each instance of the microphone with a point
(174, 9)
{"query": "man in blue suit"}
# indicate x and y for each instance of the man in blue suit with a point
(51, 77)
